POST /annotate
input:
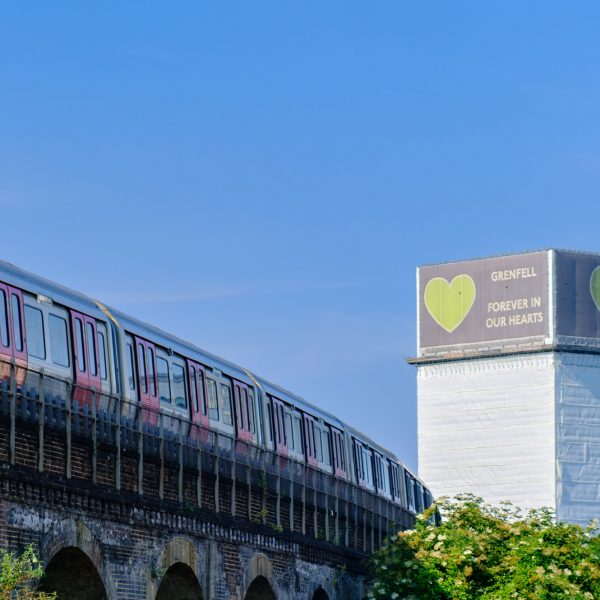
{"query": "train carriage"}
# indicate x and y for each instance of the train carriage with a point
(108, 358)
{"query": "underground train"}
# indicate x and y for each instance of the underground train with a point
(76, 339)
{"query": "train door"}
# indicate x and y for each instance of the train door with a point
(199, 409)
(148, 393)
(244, 411)
(13, 344)
(86, 365)
(279, 427)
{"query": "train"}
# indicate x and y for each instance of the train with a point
(45, 327)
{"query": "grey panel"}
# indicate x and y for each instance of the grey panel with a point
(578, 314)
(500, 300)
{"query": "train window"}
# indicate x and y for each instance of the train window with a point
(151, 375)
(201, 398)
(80, 350)
(130, 369)
(410, 491)
(193, 384)
(269, 424)
(289, 434)
(17, 326)
(282, 436)
(164, 385)
(34, 326)
(179, 386)
(418, 496)
(383, 478)
(3, 319)
(91, 344)
(342, 454)
(239, 418)
(102, 353)
(368, 465)
(319, 446)
(326, 452)
(213, 407)
(142, 365)
(225, 401)
(251, 415)
(297, 427)
(59, 346)
(394, 480)
(358, 460)
(427, 500)
(244, 422)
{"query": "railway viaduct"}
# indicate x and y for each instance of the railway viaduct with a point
(122, 505)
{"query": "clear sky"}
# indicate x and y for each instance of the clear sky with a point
(262, 178)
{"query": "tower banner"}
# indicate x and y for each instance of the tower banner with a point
(490, 302)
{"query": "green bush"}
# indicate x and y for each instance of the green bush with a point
(485, 552)
(18, 575)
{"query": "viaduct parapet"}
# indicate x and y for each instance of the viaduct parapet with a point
(119, 512)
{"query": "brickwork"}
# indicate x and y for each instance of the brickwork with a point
(143, 525)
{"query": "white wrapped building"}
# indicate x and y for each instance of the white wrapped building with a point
(508, 372)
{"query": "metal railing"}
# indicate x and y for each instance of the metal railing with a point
(126, 446)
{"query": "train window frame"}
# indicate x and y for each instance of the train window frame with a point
(15, 306)
(4, 320)
(80, 345)
(33, 342)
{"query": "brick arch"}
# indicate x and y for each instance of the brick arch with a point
(259, 567)
(178, 550)
(320, 593)
(74, 533)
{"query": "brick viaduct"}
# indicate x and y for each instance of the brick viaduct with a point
(119, 510)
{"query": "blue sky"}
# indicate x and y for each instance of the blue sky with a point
(262, 178)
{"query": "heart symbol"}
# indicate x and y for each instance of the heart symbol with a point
(450, 303)
(595, 286)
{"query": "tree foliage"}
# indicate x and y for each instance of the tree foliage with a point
(18, 575)
(491, 553)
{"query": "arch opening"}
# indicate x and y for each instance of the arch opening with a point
(320, 594)
(260, 589)
(179, 583)
(73, 576)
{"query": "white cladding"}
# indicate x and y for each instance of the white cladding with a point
(578, 437)
(487, 426)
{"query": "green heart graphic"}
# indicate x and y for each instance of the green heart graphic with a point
(595, 286)
(450, 303)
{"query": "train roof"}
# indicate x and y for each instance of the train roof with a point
(39, 285)
(60, 294)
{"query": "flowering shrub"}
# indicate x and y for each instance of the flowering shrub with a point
(485, 552)
(18, 574)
